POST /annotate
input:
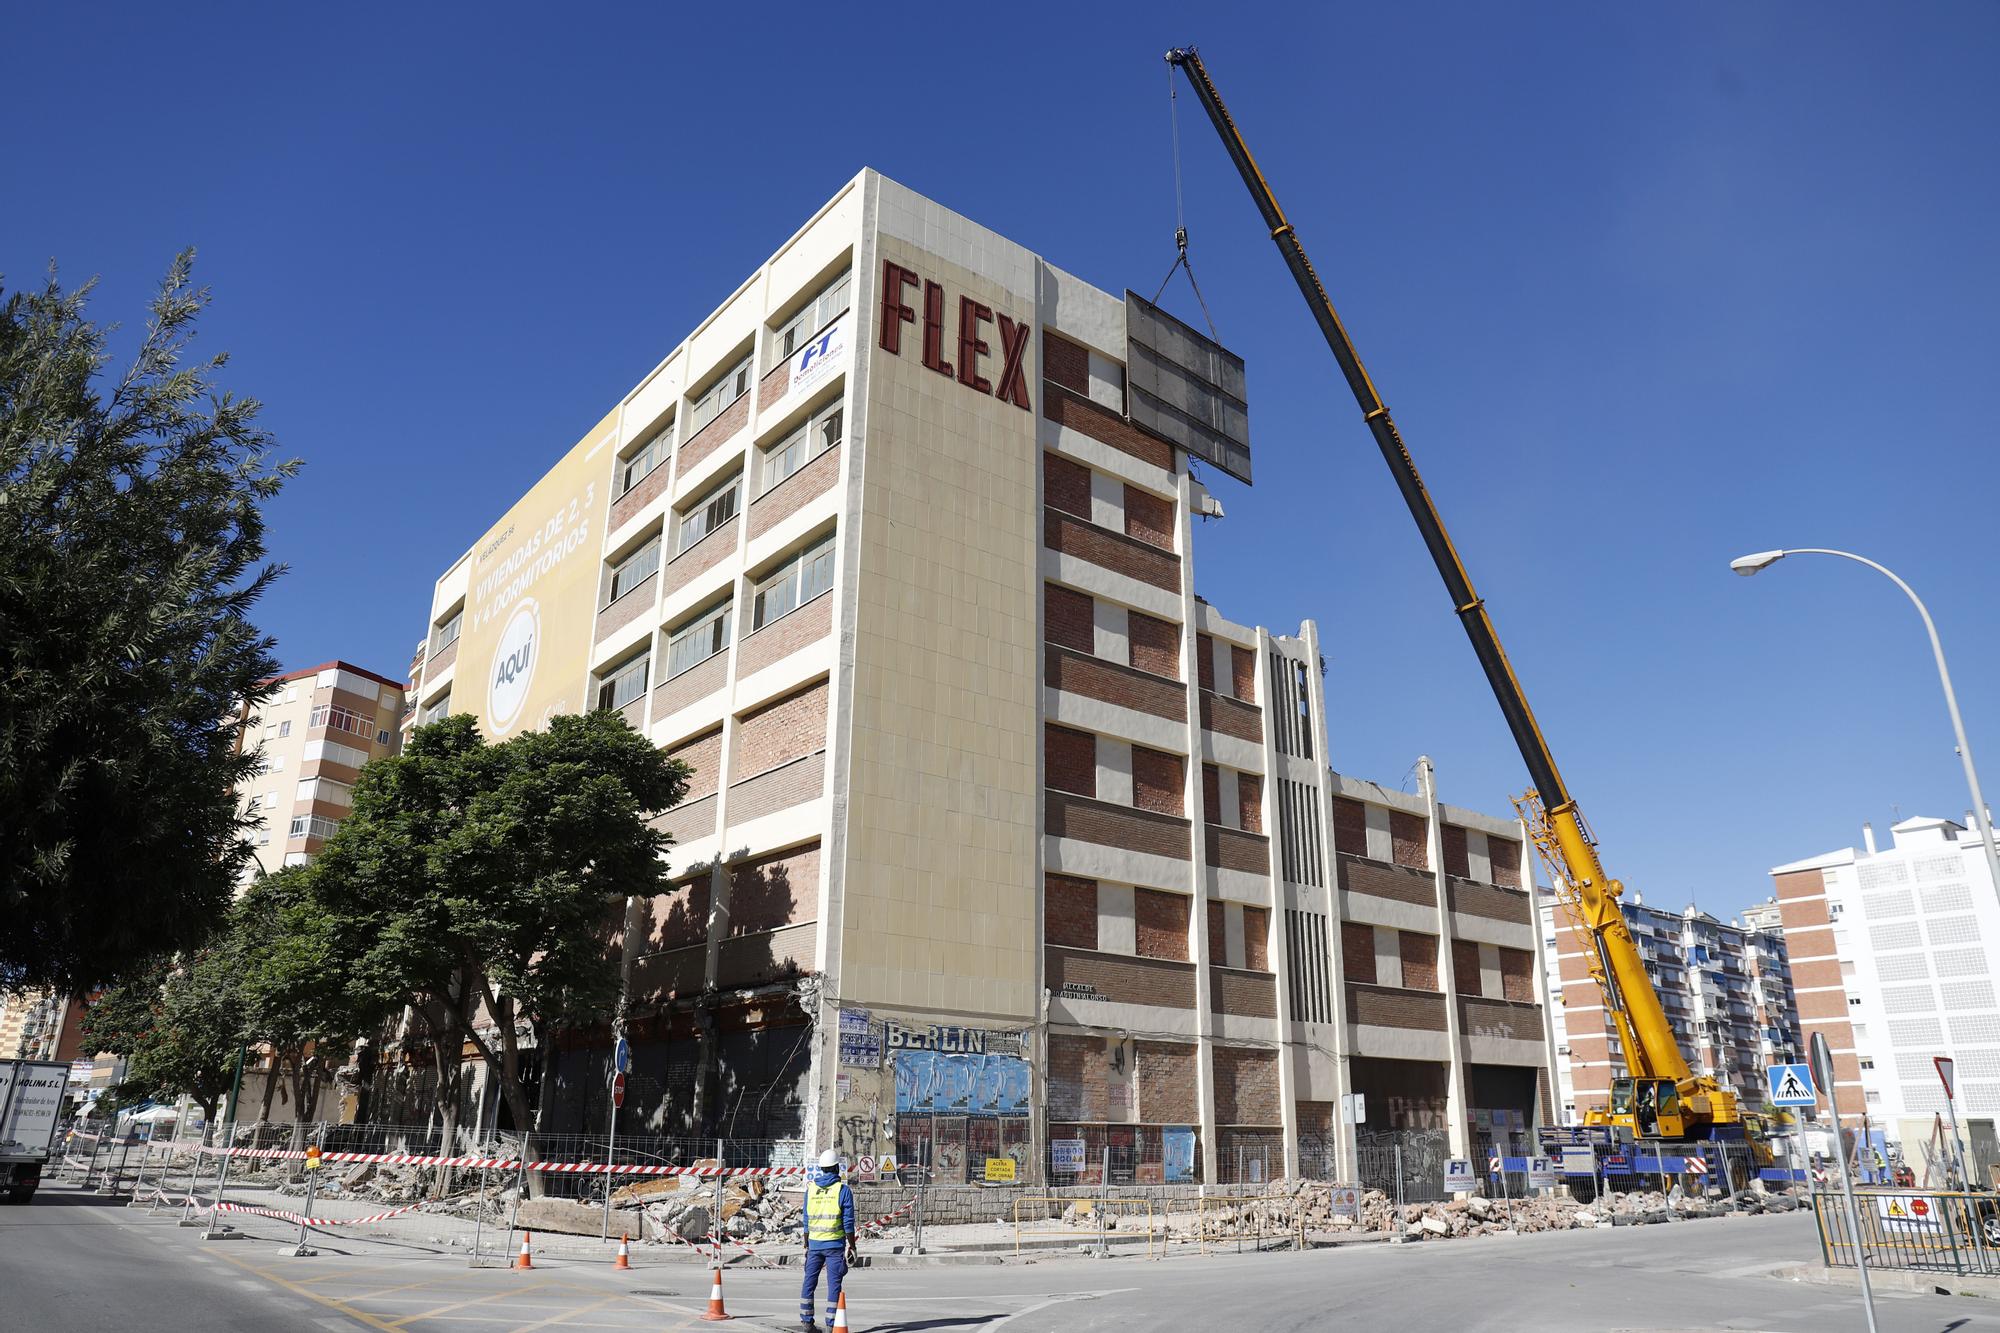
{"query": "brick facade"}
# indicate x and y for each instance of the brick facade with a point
(644, 491)
(794, 492)
(1517, 975)
(1069, 618)
(1161, 921)
(1257, 939)
(1231, 850)
(1357, 950)
(1108, 682)
(703, 754)
(1420, 960)
(1380, 881)
(1243, 993)
(782, 730)
(1069, 760)
(1110, 550)
(793, 782)
(1120, 979)
(713, 548)
(1496, 904)
(1064, 362)
(1505, 855)
(1211, 794)
(1381, 1006)
(1080, 414)
(1457, 861)
(1159, 781)
(715, 434)
(1110, 825)
(1249, 802)
(1168, 1078)
(1350, 827)
(786, 635)
(1243, 673)
(1204, 662)
(1465, 969)
(1065, 485)
(1155, 646)
(637, 601)
(1246, 1086)
(1226, 716)
(691, 686)
(1148, 518)
(774, 891)
(1409, 835)
(1069, 911)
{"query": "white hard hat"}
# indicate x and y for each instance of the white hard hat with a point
(829, 1160)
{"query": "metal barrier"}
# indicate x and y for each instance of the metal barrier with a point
(1106, 1216)
(1919, 1231)
(1219, 1220)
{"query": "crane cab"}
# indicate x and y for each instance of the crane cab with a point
(1651, 1108)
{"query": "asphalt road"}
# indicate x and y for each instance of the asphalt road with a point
(73, 1261)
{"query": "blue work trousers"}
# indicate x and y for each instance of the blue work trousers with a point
(834, 1260)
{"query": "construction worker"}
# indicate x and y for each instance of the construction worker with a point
(830, 1236)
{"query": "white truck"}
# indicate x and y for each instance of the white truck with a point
(31, 1100)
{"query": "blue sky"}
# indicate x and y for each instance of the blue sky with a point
(1645, 287)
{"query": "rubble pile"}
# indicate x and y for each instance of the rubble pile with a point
(1312, 1204)
(685, 1206)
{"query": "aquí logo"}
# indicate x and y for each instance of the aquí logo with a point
(513, 665)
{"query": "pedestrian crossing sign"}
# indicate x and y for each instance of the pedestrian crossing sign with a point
(1791, 1085)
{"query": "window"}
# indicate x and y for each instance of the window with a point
(623, 685)
(637, 465)
(447, 634)
(698, 640)
(440, 709)
(796, 582)
(284, 729)
(708, 513)
(635, 569)
(311, 826)
(1833, 911)
(732, 384)
(813, 437)
(815, 315)
(335, 718)
(1867, 1064)
(382, 736)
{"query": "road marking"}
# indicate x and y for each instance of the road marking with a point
(313, 1296)
(564, 1315)
(460, 1305)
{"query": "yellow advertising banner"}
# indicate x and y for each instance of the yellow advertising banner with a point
(531, 596)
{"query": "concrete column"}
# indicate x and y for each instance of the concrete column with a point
(1457, 1083)
(1347, 1151)
(1542, 962)
(1280, 949)
(1198, 831)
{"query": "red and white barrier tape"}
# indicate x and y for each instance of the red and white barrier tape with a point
(877, 1224)
(506, 1163)
(282, 1215)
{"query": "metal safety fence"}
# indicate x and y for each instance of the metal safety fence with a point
(1920, 1232)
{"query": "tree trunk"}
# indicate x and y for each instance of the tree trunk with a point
(209, 1106)
(516, 1095)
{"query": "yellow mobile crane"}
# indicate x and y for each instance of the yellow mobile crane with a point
(1662, 1098)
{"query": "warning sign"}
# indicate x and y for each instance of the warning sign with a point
(999, 1170)
(1913, 1211)
(1345, 1201)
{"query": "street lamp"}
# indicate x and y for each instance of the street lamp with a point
(1982, 821)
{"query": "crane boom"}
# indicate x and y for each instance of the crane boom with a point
(1590, 895)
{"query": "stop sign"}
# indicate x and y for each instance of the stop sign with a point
(1920, 1206)
(618, 1090)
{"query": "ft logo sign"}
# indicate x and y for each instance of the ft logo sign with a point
(899, 283)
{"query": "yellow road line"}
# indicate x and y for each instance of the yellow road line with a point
(460, 1305)
(565, 1315)
(361, 1315)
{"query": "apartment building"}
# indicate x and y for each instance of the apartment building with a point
(1001, 842)
(315, 733)
(1726, 987)
(1892, 949)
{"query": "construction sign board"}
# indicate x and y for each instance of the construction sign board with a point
(1345, 1201)
(1576, 1161)
(1000, 1171)
(1791, 1085)
(1912, 1211)
(1541, 1174)
(1458, 1174)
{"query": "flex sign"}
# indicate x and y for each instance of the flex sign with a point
(956, 346)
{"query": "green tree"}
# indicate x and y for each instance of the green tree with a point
(180, 1027)
(130, 546)
(483, 883)
(296, 991)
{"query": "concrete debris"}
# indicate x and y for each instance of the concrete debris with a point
(1307, 1206)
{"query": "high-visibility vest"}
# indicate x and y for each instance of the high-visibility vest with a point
(823, 1213)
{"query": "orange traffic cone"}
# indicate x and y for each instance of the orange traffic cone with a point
(526, 1259)
(715, 1310)
(840, 1314)
(624, 1259)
